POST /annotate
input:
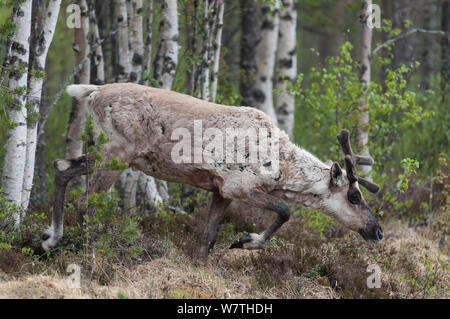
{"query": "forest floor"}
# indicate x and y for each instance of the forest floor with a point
(413, 263)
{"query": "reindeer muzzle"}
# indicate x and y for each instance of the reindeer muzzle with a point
(373, 231)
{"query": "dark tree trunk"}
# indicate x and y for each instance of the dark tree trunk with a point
(97, 59)
(429, 44)
(149, 41)
(339, 37)
(445, 68)
(405, 49)
(114, 43)
(249, 41)
(386, 7)
(191, 45)
(101, 12)
(39, 191)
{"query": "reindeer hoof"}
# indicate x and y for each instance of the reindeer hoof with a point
(250, 242)
(236, 245)
(39, 251)
(204, 252)
(49, 240)
(240, 244)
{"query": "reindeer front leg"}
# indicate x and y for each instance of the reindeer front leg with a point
(264, 201)
(215, 218)
(65, 171)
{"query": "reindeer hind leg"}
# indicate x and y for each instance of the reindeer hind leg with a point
(264, 201)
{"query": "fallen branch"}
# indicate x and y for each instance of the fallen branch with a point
(404, 35)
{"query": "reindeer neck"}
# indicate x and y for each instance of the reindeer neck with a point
(306, 174)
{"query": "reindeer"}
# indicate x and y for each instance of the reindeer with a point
(141, 124)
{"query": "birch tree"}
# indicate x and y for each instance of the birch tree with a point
(151, 192)
(126, 185)
(123, 52)
(217, 45)
(144, 189)
(16, 145)
(286, 66)
(366, 48)
(43, 40)
(39, 189)
(74, 145)
(98, 60)
(265, 60)
(167, 56)
(137, 41)
(205, 71)
(136, 188)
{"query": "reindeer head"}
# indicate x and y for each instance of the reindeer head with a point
(346, 202)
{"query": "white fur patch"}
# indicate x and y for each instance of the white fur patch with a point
(256, 243)
(80, 91)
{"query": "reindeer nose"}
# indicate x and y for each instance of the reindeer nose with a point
(379, 233)
(372, 232)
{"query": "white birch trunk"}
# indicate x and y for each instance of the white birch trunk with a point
(15, 157)
(126, 185)
(217, 46)
(265, 61)
(98, 58)
(134, 185)
(205, 72)
(148, 195)
(137, 183)
(43, 43)
(137, 41)
(167, 57)
(123, 52)
(363, 125)
(165, 69)
(286, 66)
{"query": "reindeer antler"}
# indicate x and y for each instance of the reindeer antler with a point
(351, 160)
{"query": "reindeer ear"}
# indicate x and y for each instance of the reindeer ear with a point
(336, 175)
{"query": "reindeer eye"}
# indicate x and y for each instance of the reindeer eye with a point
(354, 197)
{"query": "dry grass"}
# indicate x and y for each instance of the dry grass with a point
(328, 269)
(172, 276)
(301, 262)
